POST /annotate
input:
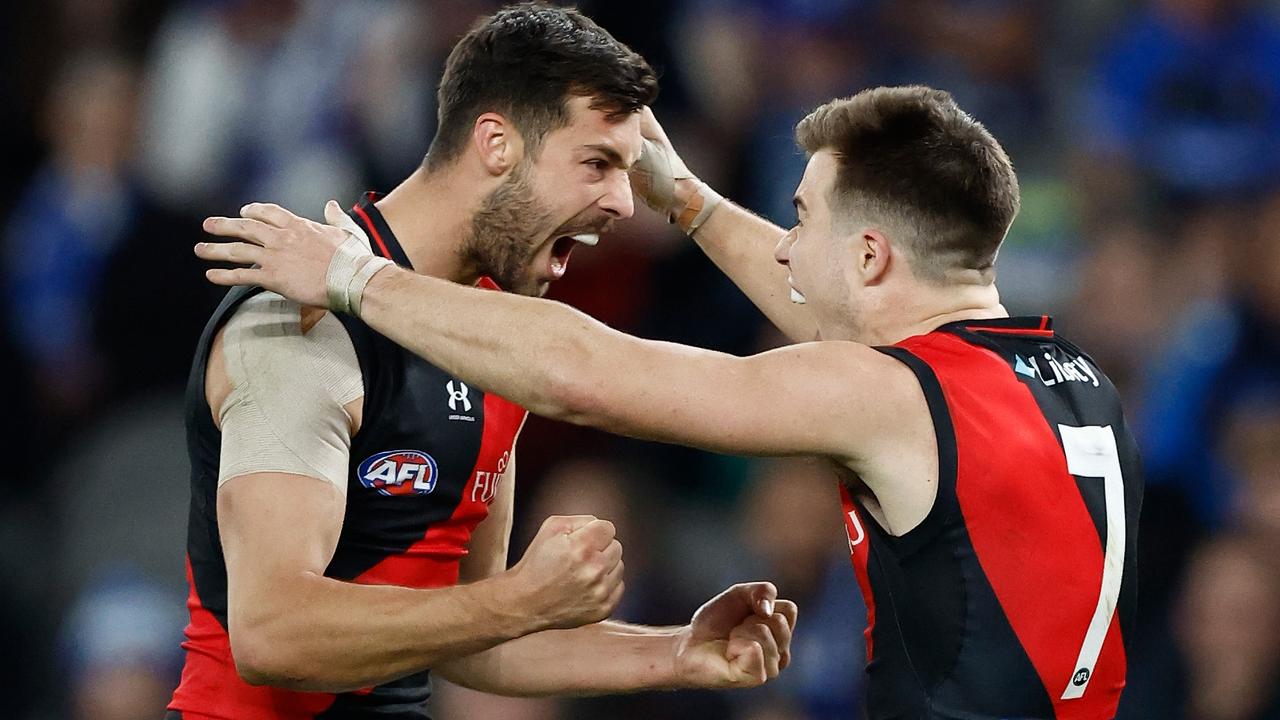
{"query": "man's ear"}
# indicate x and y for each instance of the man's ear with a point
(874, 255)
(497, 143)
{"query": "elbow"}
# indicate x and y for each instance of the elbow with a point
(259, 660)
(573, 388)
(266, 656)
(574, 399)
(256, 663)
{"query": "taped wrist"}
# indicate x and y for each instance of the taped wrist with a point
(350, 269)
(654, 176)
(700, 206)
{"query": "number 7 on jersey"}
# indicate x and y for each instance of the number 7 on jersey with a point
(1091, 452)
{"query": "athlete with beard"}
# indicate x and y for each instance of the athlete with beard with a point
(990, 485)
(351, 503)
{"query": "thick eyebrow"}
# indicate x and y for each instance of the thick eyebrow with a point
(613, 156)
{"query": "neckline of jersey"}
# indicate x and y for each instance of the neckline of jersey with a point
(1036, 325)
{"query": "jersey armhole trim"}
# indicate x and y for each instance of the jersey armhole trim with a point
(945, 505)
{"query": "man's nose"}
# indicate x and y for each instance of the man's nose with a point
(782, 253)
(618, 201)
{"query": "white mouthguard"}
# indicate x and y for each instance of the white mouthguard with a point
(587, 238)
(796, 297)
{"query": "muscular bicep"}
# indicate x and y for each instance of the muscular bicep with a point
(274, 527)
(824, 398)
(278, 531)
(285, 390)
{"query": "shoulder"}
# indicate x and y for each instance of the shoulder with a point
(871, 395)
(272, 334)
(273, 345)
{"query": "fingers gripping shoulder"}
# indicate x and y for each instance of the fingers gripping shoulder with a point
(286, 411)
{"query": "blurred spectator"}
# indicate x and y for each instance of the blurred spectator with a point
(77, 210)
(1221, 349)
(986, 53)
(1228, 629)
(1251, 446)
(273, 101)
(1114, 310)
(1188, 98)
(120, 645)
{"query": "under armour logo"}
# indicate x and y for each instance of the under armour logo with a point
(458, 395)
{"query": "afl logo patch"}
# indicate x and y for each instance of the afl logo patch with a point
(399, 472)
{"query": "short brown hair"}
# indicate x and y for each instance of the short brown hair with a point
(524, 61)
(910, 155)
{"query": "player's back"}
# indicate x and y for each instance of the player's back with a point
(1014, 598)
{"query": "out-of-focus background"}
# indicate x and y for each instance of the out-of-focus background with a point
(1147, 139)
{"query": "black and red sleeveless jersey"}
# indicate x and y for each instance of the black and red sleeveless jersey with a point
(424, 467)
(1015, 597)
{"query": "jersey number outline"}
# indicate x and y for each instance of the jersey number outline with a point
(1091, 452)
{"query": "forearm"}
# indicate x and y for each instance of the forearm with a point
(742, 244)
(604, 658)
(326, 635)
(532, 352)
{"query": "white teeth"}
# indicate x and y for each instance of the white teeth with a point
(587, 238)
(796, 297)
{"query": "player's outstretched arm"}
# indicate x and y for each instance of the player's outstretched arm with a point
(740, 638)
(738, 241)
(825, 398)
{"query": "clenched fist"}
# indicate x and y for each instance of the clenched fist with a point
(739, 638)
(571, 575)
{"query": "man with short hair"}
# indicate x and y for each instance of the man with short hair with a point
(351, 503)
(990, 485)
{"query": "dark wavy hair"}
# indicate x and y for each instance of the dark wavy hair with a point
(525, 61)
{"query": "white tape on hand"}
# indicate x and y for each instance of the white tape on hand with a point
(352, 265)
(654, 176)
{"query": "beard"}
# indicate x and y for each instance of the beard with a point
(503, 240)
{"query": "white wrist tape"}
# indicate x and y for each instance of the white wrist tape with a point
(352, 265)
(698, 209)
(654, 177)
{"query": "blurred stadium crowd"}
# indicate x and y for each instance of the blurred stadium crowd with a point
(1147, 138)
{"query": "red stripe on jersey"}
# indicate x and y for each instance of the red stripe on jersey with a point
(859, 551)
(1012, 331)
(373, 230)
(433, 560)
(211, 687)
(1033, 535)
